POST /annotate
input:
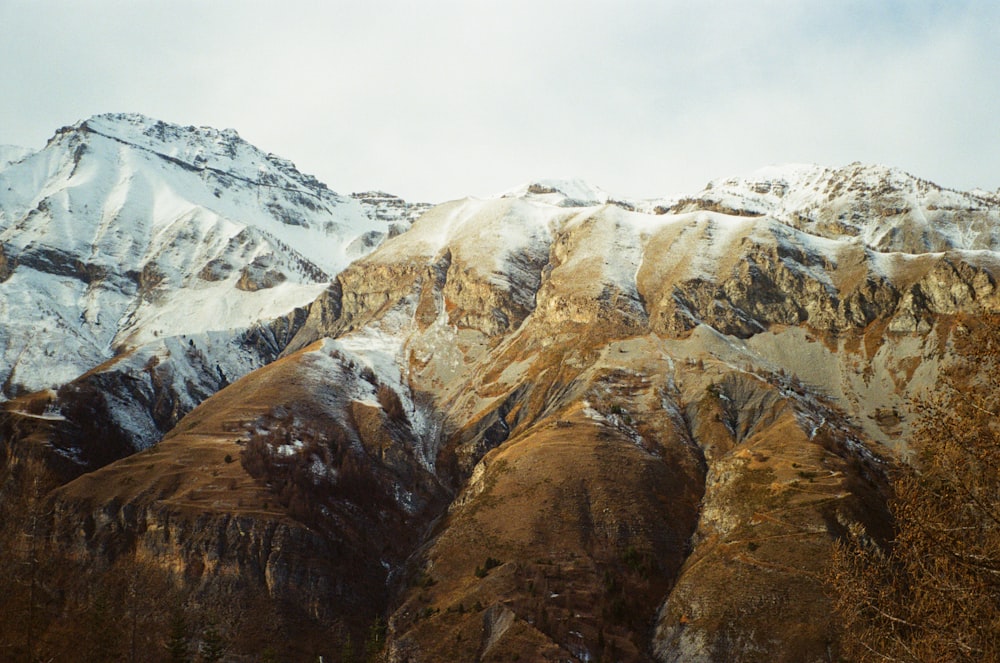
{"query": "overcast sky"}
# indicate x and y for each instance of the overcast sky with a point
(437, 100)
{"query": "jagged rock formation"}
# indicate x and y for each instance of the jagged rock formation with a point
(546, 426)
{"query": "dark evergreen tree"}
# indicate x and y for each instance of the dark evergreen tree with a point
(212, 646)
(178, 643)
(376, 641)
(102, 635)
(347, 651)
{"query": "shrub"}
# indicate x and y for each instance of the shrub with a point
(389, 400)
(490, 563)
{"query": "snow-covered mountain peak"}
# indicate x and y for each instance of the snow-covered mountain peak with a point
(124, 230)
(128, 169)
(772, 180)
(766, 186)
(197, 149)
(888, 208)
(565, 192)
(139, 129)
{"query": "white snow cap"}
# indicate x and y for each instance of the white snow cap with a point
(567, 192)
(174, 231)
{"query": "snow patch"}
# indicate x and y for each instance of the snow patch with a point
(565, 192)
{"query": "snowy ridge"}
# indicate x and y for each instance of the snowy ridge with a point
(124, 230)
(887, 208)
(824, 230)
(568, 192)
(12, 154)
(491, 232)
(819, 214)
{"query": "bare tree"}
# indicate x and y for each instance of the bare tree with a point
(933, 592)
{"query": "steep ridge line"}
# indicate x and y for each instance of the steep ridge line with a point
(203, 168)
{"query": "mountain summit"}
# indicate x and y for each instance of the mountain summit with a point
(127, 234)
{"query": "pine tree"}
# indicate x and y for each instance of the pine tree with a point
(212, 646)
(376, 641)
(178, 645)
(347, 651)
(33, 555)
(102, 636)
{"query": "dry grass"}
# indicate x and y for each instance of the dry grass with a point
(569, 508)
(754, 582)
(188, 470)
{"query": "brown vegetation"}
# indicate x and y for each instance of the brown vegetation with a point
(932, 593)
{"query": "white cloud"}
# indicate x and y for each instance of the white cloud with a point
(441, 99)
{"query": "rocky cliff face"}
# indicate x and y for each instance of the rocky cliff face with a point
(763, 367)
(553, 425)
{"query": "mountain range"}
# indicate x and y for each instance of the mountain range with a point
(553, 424)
